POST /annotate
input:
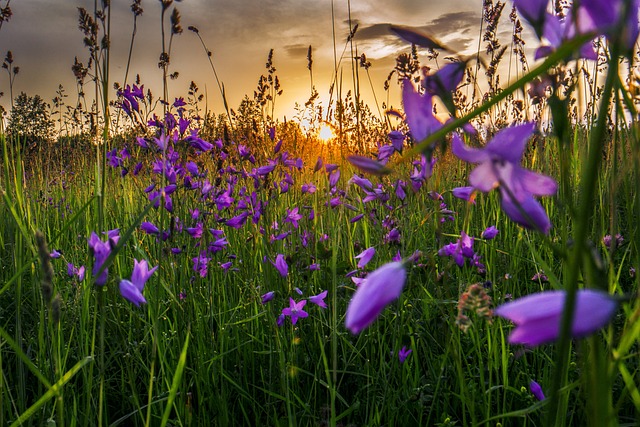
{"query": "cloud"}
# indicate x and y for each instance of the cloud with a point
(455, 29)
(452, 22)
(298, 50)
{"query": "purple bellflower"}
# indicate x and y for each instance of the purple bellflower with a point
(403, 353)
(365, 256)
(499, 167)
(295, 310)
(379, 289)
(368, 165)
(319, 299)
(538, 316)
(419, 111)
(536, 390)
(445, 81)
(149, 228)
(101, 251)
(268, 297)
(490, 233)
(281, 265)
(132, 289)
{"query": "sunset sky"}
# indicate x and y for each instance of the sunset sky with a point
(44, 38)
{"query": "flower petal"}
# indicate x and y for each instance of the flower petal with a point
(509, 143)
(536, 218)
(131, 293)
(380, 288)
(484, 178)
(537, 184)
(468, 154)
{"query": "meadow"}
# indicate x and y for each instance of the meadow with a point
(166, 265)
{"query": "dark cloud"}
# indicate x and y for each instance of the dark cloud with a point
(461, 44)
(373, 32)
(448, 23)
(297, 50)
(452, 22)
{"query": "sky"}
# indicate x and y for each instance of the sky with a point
(44, 38)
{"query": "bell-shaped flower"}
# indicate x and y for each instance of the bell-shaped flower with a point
(319, 299)
(403, 353)
(132, 289)
(536, 390)
(419, 112)
(490, 232)
(295, 310)
(101, 251)
(365, 256)
(499, 167)
(281, 265)
(445, 81)
(268, 297)
(538, 316)
(379, 289)
(534, 12)
(368, 165)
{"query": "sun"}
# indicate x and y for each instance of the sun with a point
(325, 133)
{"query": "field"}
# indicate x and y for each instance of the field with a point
(167, 265)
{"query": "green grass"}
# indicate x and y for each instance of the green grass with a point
(217, 356)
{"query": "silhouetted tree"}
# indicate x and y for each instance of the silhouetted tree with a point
(29, 122)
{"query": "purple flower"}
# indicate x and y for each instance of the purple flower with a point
(72, 270)
(293, 217)
(356, 218)
(419, 111)
(101, 251)
(318, 165)
(308, 188)
(534, 12)
(265, 170)
(237, 221)
(196, 232)
(464, 193)
(268, 297)
(200, 264)
(536, 390)
(490, 233)
(537, 316)
(365, 256)
(392, 236)
(368, 165)
(281, 265)
(499, 167)
(380, 288)
(403, 353)
(460, 250)
(334, 176)
(445, 82)
(295, 310)
(397, 139)
(131, 290)
(319, 299)
(605, 15)
(55, 254)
